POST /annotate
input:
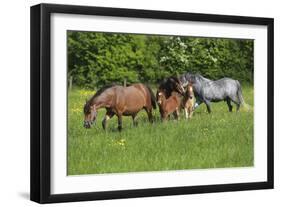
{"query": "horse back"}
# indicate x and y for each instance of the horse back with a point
(220, 89)
(147, 93)
(129, 100)
(172, 103)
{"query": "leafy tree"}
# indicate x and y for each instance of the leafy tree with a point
(96, 59)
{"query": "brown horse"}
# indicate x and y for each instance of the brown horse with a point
(169, 105)
(119, 101)
(188, 101)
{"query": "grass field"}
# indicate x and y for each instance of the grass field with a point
(216, 140)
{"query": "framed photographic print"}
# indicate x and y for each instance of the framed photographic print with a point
(133, 103)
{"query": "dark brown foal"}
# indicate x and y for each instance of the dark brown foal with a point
(169, 105)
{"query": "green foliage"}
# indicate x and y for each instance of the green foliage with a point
(212, 57)
(96, 59)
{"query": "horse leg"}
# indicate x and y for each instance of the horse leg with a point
(236, 101)
(237, 106)
(208, 104)
(197, 103)
(107, 116)
(228, 101)
(186, 112)
(119, 122)
(149, 114)
(164, 117)
(176, 114)
(168, 117)
(190, 112)
(135, 123)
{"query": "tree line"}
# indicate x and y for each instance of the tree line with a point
(96, 59)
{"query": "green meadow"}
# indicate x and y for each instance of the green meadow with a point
(218, 140)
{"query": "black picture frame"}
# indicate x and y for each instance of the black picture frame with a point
(41, 99)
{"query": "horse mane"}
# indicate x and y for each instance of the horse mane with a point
(198, 76)
(190, 77)
(101, 90)
(202, 77)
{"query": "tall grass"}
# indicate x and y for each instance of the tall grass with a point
(216, 140)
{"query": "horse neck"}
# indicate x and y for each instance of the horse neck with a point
(189, 90)
(163, 100)
(99, 102)
(204, 79)
(171, 98)
(199, 81)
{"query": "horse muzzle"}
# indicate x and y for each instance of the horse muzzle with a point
(87, 124)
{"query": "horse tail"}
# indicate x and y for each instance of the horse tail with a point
(153, 99)
(239, 93)
(240, 96)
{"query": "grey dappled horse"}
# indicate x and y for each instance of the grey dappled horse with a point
(207, 91)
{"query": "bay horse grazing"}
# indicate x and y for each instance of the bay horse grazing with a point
(119, 101)
(188, 101)
(207, 91)
(169, 105)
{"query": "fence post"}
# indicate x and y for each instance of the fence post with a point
(125, 82)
